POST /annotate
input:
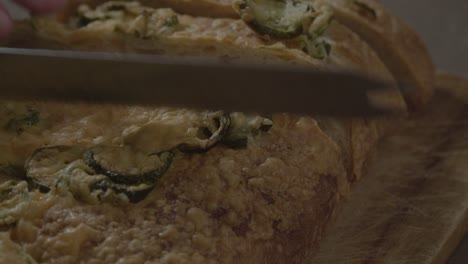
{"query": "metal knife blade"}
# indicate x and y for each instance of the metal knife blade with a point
(188, 82)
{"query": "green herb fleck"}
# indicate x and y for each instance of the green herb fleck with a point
(171, 21)
(281, 19)
(316, 47)
(19, 123)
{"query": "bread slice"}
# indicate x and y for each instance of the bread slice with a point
(229, 40)
(397, 45)
(267, 203)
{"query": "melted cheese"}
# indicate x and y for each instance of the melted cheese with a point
(154, 137)
(206, 209)
(131, 18)
(11, 252)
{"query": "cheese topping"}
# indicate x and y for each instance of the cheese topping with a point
(161, 185)
(205, 208)
(129, 18)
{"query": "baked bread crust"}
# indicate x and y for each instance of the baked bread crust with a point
(231, 40)
(397, 45)
(269, 203)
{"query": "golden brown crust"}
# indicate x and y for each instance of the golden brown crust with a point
(288, 247)
(395, 42)
(243, 203)
(399, 47)
(290, 213)
(232, 40)
(355, 137)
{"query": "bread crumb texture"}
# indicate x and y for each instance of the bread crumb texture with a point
(261, 190)
(208, 208)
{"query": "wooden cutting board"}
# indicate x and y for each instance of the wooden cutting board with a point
(412, 206)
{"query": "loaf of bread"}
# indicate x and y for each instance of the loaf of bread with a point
(116, 184)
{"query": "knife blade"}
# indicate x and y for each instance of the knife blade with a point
(98, 77)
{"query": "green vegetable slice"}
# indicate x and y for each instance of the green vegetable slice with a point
(100, 173)
(210, 134)
(231, 130)
(125, 166)
(276, 18)
(244, 126)
(45, 164)
(23, 120)
(316, 47)
(134, 193)
(172, 21)
(93, 188)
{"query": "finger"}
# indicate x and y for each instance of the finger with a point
(42, 6)
(6, 24)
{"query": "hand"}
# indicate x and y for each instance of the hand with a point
(36, 7)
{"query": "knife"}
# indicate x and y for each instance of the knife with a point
(97, 77)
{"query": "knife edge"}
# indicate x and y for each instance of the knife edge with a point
(188, 82)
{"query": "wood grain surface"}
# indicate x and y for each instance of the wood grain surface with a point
(412, 207)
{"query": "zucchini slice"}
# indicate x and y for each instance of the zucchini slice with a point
(22, 121)
(232, 130)
(281, 19)
(44, 166)
(314, 42)
(210, 134)
(245, 126)
(124, 166)
(101, 173)
(93, 188)
(134, 193)
(316, 47)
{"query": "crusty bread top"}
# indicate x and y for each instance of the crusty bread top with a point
(224, 206)
(213, 207)
(397, 45)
